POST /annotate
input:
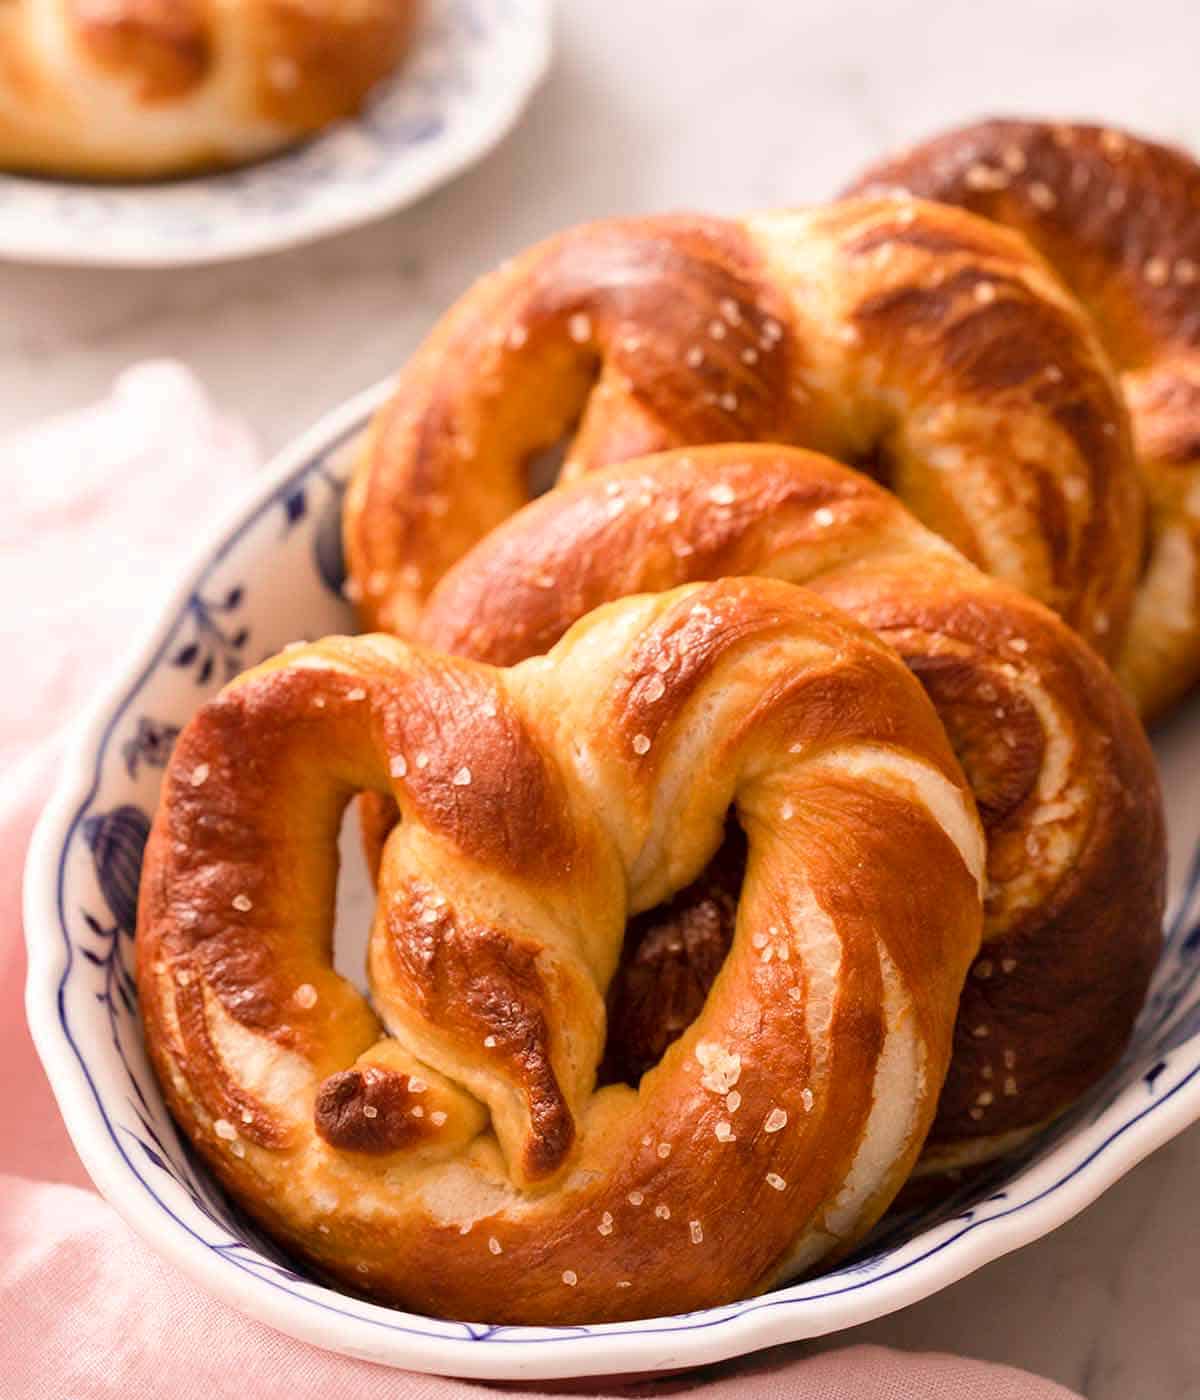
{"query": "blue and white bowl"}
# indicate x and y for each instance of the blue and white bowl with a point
(271, 574)
(473, 66)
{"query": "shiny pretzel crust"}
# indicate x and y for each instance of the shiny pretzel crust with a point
(447, 1150)
(1060, 768)
(119, 89)
(1118, 218)
(930, 347)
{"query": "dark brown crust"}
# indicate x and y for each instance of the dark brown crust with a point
(1100, 205)
(368, 1110)
(493, 989)
(601, 324)
(593, 1210)
(1118, 218)
(1065, 965)
(903, 333)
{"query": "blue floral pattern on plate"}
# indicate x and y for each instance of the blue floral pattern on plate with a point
(473, 67)
(273, 576)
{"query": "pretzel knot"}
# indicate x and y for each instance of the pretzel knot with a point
(135, 88)
(929, 347)
(1118, 218)
(1060, 767)
(445, 1147)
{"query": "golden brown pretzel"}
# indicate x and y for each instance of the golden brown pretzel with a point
(1060, 767)
(1119, 219)
(115, 89)
(454, 1156)
(932, 347)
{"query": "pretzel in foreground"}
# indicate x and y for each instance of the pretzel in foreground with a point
(445, 1147)
(120, 89)
(930, 347)
(1118, 218)
(1060, 767)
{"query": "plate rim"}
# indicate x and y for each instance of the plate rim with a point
(688, 1340)
(482, 133)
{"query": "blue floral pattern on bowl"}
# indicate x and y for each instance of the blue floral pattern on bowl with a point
(275, 574)
(473, 66)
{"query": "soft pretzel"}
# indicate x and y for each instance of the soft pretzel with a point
(453, 1155)
(933, 348)
(117, 89)
(1060, 767)
(1119, 220)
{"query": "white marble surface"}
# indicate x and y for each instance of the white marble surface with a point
(720, 104)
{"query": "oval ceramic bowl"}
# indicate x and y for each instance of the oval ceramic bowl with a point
(271, 574)
(473, 66)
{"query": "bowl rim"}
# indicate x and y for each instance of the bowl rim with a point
(398, 1338)
(529, 49)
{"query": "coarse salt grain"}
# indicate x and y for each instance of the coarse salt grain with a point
(494, 1245)
(305, 996)
(663, 1212)
(724, 1132)
(775, 1181)
(200, 774)
(641, 743)
(579, 327)
(570, 1277)
(721, 1068)
(775, 1121)
(606, 1224)
(733, 1101)
(462, 778)
(370, 1111)
(696, 1230)
(358, 693)
(398, 766)
(635, 1198)
(437, 1118)
(243, 903)
(722, 495)
(225, 1130)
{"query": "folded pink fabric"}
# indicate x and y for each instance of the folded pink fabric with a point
(100, 507)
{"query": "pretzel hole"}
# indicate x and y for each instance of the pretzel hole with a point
(355, 902)
(544, 464)
(878, 464)
(671, 957)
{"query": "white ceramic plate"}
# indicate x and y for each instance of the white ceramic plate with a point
(473, 67)
(271, 574)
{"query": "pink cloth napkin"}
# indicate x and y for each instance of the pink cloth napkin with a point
(100, 509)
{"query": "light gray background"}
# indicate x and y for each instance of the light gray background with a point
(723, 105)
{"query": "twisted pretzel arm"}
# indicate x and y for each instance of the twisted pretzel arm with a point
(1118, 218)
(1060, 768)
(448, 1150)
(928, 345)
(119, 89)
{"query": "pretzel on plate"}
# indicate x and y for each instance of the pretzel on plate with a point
(1060, 767)
(445, 1148)
(930, 347)
(120, 89)
(1118, 218)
